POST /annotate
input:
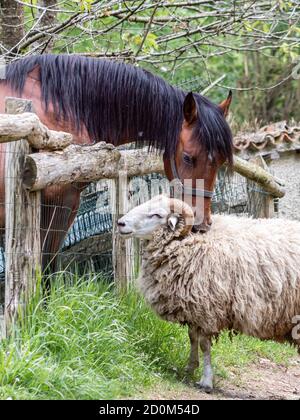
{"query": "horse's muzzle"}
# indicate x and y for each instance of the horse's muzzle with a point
(202, 228)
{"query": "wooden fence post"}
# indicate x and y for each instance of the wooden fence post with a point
(263, 204)
(123, 250)
(22, 226)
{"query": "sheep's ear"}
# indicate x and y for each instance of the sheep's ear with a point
(172, 222)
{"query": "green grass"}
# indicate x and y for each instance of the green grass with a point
(87, 343)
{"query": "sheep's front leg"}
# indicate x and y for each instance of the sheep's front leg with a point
(194, 353)
(206, 382)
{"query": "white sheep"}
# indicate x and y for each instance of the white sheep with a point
(243, 275)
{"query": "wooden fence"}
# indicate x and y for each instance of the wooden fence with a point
(61, 162)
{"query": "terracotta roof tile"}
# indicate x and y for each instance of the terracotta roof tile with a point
(279, 135)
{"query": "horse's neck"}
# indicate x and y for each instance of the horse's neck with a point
(32, 91)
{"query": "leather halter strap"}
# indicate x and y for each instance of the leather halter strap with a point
(188, 190)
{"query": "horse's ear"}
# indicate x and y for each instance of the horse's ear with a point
(224, 105)
(35, 73)
(190, 109)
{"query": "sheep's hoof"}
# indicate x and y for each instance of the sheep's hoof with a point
(206, 385)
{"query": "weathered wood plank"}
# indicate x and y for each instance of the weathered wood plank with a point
(140, 162)
(269, 183)
(123, 250)
(22, 229)
(86, 164)
(41, 169)
(262, 205)
(28, 126)
(90, 163)
(74, 164)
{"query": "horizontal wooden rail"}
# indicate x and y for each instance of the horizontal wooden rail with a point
(66, 163)
(28, 126)
(102, 160)
(86, 164)
(270, 184)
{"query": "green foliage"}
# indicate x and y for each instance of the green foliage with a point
(253, 44)
(84, 5)
(74, 346)
(85, 342)
(136, 41)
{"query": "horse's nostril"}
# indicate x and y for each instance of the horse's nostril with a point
(121, 224)
(203, 228)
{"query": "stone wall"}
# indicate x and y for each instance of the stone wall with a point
(287, 167)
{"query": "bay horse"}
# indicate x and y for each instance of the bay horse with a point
(102, 100)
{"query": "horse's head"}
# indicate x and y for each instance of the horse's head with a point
(204, 144)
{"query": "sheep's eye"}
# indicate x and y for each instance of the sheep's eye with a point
(187, 159)
(155, 215)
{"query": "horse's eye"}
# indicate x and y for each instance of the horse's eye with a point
(187, 159)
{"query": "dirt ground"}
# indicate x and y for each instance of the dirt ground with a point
(264, 380)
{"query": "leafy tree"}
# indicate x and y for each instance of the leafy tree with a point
(249, 46)
(11, 25)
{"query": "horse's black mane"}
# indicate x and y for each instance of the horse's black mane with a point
(116, 102)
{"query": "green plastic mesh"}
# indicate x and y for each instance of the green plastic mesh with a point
(234, 194)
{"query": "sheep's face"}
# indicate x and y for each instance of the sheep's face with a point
(143, 220)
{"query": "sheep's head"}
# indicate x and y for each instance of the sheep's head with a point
(144, 220)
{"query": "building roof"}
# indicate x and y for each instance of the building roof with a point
(278, 136)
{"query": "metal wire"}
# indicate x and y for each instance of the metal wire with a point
(233, 195)
(88, 244)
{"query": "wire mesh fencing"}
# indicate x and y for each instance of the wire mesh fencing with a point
(80, 241)
(235, 194)
(88, 244)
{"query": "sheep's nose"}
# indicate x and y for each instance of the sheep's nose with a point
(121, 224)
